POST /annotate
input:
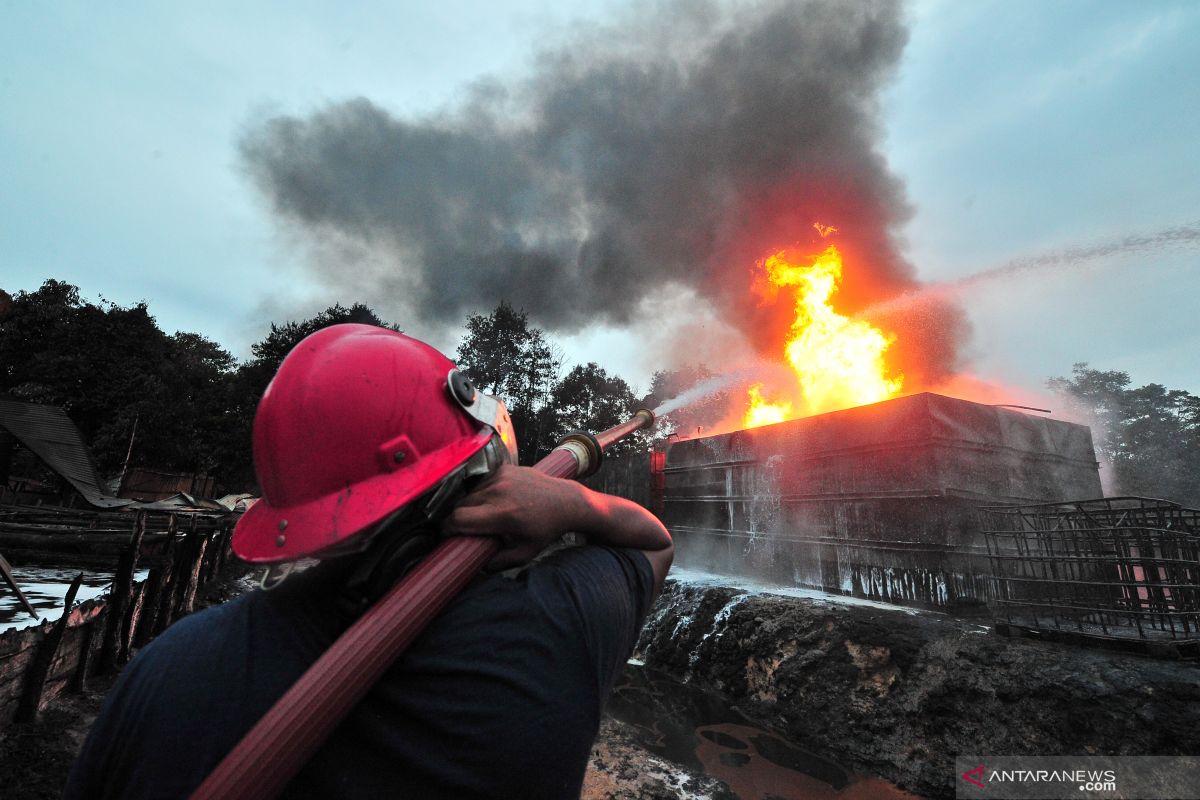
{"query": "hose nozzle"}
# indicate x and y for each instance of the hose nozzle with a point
(647, 417)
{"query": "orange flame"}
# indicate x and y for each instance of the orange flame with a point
(838, 361)
(763, 413)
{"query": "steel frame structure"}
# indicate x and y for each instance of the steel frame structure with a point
(1121, 569)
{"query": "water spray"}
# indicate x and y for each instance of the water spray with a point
(703, 389)
(1178, 236)
(718, 383)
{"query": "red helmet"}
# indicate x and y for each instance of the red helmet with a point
(358, 421)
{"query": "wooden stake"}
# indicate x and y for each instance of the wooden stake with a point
(6, 572)
(118, 601)
(39, 670)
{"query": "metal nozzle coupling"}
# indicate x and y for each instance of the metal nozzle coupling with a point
(586, 449)
(647, 415)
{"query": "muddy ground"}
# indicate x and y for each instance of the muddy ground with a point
(35, 758)
(788, 697)
(898, 693)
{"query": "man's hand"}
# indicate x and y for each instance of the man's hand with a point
(528, 510)
(523, 508)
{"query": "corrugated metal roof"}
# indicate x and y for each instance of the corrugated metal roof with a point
(50, 434)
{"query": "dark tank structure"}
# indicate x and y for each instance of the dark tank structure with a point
(880, 501)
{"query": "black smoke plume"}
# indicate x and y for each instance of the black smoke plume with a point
(671, 149)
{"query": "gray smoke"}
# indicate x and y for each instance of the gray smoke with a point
(672, 148)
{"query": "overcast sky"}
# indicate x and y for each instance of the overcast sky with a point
(1018, 128)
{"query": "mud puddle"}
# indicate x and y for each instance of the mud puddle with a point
(702, 732)
(46, 588)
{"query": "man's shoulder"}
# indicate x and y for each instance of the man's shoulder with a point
(243, 646)
(195, 689)
(203, 635)
(569, 589)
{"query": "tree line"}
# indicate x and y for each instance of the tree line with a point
(181, 402)
(1149, 436)
(187, 404)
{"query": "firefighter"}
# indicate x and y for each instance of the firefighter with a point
(369, 445)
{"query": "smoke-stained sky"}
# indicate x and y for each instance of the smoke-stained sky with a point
(147, 153)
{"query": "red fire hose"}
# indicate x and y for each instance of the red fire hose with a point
(283, 741)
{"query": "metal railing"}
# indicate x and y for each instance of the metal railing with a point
(1119, 569)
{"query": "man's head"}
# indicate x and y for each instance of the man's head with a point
(358, 422)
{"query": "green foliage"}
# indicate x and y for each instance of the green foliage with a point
(1150, 435)
(270, 352)
(589, 399)
(109, 366)
(507, 357)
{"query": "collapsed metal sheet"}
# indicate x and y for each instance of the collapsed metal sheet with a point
(50, 434)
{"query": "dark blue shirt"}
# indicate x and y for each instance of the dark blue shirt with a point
(500, 697)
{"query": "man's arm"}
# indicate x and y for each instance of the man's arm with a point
(528, 511)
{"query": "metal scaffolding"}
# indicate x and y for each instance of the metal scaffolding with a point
(1122, 569)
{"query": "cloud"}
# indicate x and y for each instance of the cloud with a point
(666, 150)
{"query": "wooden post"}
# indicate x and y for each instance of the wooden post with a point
(215, 548)
(184, 561)
(39, 670)
(155, 582)
(222, 549)
(209, 561)
(6, 573)
(118, 600)
(193, 583)
(87, 642)
(171, 584)
(161, 587)
(179, 561)
(131, 623)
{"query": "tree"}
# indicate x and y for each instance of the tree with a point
(1150, 435)
(270, 352)
(507, 357)
(109, 367)
(590, 399)
(206, 374)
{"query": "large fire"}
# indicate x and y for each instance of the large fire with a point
(838, 361)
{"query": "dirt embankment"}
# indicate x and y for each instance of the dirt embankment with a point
(881, 691)
(898, 694)
(36, 757)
